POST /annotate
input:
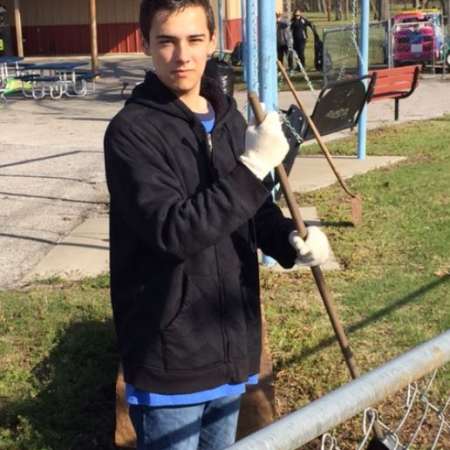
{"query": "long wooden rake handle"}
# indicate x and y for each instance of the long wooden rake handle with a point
(316, 271)
(316, 133)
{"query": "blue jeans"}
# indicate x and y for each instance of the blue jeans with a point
(205, 426)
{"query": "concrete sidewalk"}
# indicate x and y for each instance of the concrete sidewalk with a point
(310, 173)
(85, 251)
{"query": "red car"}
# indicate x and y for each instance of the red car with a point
(417, 37)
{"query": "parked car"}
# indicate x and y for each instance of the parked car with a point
(418, 37)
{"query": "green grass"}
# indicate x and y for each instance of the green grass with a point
(58, 358)
(394, 291)
(57, 367)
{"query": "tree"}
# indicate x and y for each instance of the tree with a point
(346, 9)
(383, 9)
(287, 7)
(338, 9)
(327, 8)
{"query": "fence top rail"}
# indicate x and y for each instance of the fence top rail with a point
(349, 27)
(300, 427)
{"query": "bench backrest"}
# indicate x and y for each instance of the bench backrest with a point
(396, 82)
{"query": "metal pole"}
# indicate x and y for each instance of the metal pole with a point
(448, 18)
(302, 426)
(268, 83)
(251, 47)
(94, 42)
(268, 91)
(220, 24)
(389, 40)
(244, 39)
(18, 23)
(363, 69)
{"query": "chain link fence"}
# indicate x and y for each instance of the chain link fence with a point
(341, 52)
(423, 421)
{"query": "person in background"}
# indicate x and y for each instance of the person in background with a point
(284, 39)
(299, 30)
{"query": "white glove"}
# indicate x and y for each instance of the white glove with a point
(265, 146)
(314, 251)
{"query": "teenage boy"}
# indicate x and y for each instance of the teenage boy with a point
(188, 210)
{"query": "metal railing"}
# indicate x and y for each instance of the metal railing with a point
(306, 424)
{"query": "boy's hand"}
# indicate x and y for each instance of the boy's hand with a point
(265, 146)
(314, 251)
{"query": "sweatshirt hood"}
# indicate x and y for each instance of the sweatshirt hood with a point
(154, 94)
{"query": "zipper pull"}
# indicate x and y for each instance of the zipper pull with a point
(209, 143)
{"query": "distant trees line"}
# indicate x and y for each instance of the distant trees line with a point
(338, 9)
(342, 9)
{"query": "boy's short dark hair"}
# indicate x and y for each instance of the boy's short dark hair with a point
(150, 7)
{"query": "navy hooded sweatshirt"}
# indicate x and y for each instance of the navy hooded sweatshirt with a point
(186, 218)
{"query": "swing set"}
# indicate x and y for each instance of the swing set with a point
(340, 105)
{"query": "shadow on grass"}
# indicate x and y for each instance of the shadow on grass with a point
(74, 405)
(413, 296)
(336, 224)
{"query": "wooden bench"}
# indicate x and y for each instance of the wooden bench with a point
(396, 83)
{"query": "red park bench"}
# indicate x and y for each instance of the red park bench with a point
(396, 83)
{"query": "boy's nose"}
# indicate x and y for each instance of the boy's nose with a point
(182, 52)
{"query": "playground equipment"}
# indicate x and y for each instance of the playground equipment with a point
(292, 432)
(358, 42)
(338, 107)
(380, 441)
(317, 272)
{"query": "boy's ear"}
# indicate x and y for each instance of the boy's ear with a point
(212, 45)
(145, 45)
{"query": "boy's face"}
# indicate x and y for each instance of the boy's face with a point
(180, 44)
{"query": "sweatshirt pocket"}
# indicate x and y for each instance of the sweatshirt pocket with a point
(193, 338)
